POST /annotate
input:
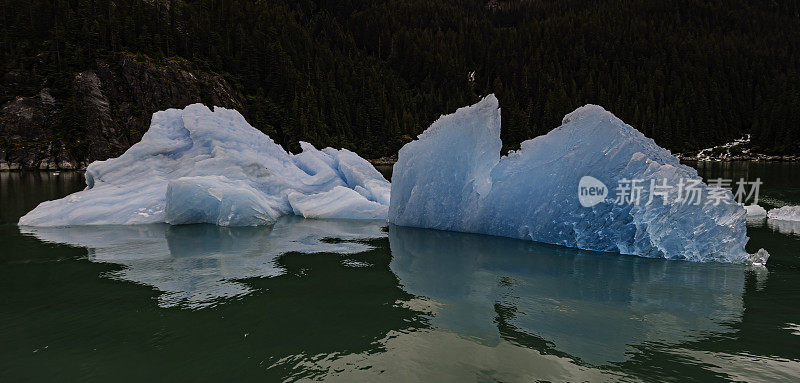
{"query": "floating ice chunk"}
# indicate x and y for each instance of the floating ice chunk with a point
(759, 258)
(453, 178)
(755, 211)
(756, 215)
(785, 219)
(195, 165)
(786, 213)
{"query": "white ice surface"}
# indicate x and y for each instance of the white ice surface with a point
(453, 178)
(201, 166)
(785, 213)
(755, 211)
(339, 202)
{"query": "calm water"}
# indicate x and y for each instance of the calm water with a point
(348, 301)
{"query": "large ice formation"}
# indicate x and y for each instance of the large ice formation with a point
(785, 213)
(453, 178)
(198, 166)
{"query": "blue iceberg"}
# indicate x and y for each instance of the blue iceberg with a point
(559, 188)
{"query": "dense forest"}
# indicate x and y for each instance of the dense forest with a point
(370, 75)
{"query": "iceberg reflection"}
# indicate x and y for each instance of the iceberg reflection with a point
(197, 265)
(784, 227)
(590, 306)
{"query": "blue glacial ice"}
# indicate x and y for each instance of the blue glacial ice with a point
(454, 178)
(200, 166)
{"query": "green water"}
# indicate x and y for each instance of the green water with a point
(363, 301)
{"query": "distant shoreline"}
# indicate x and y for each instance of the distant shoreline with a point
(384, 161)
(750, 158)
(683, 157)
(736, 150)
(390, 161)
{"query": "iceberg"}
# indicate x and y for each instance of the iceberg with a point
(785, 213)
(755, 211)
(196, 165)
(454, 178)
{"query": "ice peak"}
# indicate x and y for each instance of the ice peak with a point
(487, 106)
(587, 111)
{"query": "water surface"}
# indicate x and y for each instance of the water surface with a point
(345, 301)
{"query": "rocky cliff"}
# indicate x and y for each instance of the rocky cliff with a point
(58, 122)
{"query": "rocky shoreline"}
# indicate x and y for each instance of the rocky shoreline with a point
(748, 157)
(737, 150)
(44, 165)
(96, 113)
(384, 161)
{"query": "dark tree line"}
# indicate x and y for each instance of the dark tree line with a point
(369, 75)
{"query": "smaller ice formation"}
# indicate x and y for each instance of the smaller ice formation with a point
(201, 166)
(786, 213)
(574, 186)
(755, 211)
(759, 258)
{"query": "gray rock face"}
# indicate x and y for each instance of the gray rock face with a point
(25, 135)
(101, 112)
